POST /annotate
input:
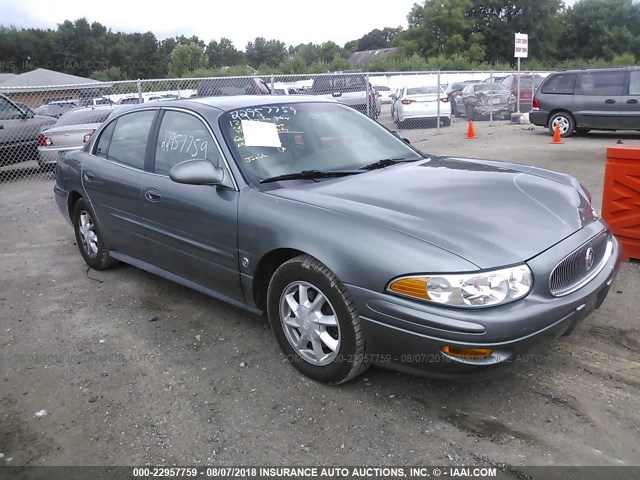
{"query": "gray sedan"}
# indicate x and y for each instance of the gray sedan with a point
(71, 132)
(360, 249)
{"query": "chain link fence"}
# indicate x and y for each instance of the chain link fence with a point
(39, 124)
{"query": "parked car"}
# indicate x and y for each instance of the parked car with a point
(395, 99)
(71, 132)
(215, 87)
(358, 247)
(350, 89)
(88, 102)
(19, 131)
(453, 90)
(384, 92)
(130, 101)
(528, 84)
(284, 89)
(56, 108)
(581, 100)
(495, 79)
(419, 104)
(483, 99)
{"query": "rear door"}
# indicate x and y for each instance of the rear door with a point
(630, 105)
(597, 99)
(112, 176)
(192, 229)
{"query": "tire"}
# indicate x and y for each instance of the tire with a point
(445, 121)
(566, 122)
(89, 238)
(470, 113)
(305, 285)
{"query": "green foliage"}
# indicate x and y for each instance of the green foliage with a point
(108, 75)
(265, 52)
(223, 53)
(185, 58)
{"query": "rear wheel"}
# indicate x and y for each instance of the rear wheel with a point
(565, 121)
(89, 238)
(315, 322)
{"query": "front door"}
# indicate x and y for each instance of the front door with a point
(192, 229)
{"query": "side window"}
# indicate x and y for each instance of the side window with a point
(561, 83)
(183, 137)
(8, 111)
(600, 83)
(102, 145)
(634, 83)
(129, 139)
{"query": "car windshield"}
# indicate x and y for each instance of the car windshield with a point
(89, 115)
(422, 91)
(272, 140)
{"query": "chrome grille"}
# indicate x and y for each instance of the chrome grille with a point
(580, 266)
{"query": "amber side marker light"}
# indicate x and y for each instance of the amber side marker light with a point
(411, 287)
(467, 353)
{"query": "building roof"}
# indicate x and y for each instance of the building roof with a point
(42, 79)
(6, 76)
(364, 57)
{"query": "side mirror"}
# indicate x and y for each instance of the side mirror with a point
(197, 172)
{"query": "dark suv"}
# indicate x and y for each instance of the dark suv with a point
(217, 87)
(582, 100)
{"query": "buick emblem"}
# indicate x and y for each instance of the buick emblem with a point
(588, 258)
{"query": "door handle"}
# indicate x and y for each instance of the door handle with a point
(152, 195)
(609, 100)
(88, 176)
(632, 100)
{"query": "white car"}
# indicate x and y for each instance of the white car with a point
(284, 89)
(421, 104)
(383, 92)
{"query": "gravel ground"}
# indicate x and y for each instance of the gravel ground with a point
(123, 368)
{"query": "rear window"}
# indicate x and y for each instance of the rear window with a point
(485, 87)
(76, 117)
(422, 91)
(561, 83)
(217, 87)
(339, 83)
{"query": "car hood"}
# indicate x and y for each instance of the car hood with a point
(489, 214)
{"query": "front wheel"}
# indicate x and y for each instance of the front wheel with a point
(315, 322)
(565, 121)
(89, 238)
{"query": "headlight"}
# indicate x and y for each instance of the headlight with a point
(469, 290)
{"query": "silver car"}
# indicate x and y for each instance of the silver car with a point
(71, 132)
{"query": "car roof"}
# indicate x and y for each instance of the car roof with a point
(226, 103)
(603, 69)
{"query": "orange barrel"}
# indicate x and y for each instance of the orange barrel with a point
(621, 197)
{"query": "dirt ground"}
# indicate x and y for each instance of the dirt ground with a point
(132, 369)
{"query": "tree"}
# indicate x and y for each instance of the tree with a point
(378, 38)
(185, 58)
(223, 54)
(601, 29)
(265, 52)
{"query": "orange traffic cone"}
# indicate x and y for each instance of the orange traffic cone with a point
(471, 133)
(557, 138)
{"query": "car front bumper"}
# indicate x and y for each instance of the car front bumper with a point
(409, 335)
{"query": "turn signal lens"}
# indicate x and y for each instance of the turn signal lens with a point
(467, 353)
(412, 287)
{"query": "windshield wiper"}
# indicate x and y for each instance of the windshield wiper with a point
(385, 162)
(311, 174)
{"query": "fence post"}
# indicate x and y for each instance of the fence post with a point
(272, 84)
(439, 102)
(491, 98)
(533, 89)
(368, 97)
(139, 91)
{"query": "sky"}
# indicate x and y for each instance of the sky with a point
(290, 21)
